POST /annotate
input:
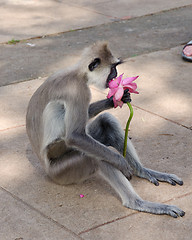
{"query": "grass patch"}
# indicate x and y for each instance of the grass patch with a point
(13, 41)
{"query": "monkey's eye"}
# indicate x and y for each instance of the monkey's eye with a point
(94, 64)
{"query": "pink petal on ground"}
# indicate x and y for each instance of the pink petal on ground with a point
(81, 196)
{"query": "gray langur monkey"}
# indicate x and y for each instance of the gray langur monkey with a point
(72, 148)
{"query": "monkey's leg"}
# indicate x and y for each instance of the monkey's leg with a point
(107, 130)
(72, 167)
(129, 197)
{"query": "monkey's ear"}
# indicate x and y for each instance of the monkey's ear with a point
(94, 64)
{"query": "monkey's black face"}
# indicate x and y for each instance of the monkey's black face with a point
(97, 64)
(113, 73)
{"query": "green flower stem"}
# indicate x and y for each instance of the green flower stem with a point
(127, 128)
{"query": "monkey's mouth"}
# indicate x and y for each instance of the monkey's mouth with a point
(112, 75)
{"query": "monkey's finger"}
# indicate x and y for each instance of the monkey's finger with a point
(180, 182)
(127, 171)
(128, 174)
(171, 179)
(176, 179)
(126, 91)
(126, 99)
(173, 182)
(154, 181)
(129, 177)
(151, 178)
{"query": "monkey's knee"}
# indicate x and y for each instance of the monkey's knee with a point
(109, 122)
(104, 126)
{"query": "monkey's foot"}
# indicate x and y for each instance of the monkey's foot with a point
(154, 177)
(155, 208)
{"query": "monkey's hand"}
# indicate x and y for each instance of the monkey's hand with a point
(126, 96)
(127, 172)
(123, 165)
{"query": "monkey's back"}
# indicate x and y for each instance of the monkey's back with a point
(57, 87)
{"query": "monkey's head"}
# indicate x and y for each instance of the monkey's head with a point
(100, 64)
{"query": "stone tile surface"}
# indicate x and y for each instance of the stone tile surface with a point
(18, 221)
(161, 145)
(145, 226)
(129, 8)
(163, 84)
(40, 57)
(13, 103)
(33, 207)
(20, 20)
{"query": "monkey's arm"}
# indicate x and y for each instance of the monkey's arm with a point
(99, 106)
(76, 137)
(99, 151)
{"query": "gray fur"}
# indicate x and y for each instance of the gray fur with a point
(71, 149)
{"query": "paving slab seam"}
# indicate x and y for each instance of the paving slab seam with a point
(106, 223)
(10, 128)
(25, 80)
(167, 119)
(42, 214)
(181, 44)
(114, 19)
(129, 215)
(91, 10)
(178, 197)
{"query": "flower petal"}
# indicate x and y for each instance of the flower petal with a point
(115, 102)
(117, 87)
(133, 91)
(119, 94)
(132, 87)
(129, 80)
(111, 92)
(120, 104)
(115, 82)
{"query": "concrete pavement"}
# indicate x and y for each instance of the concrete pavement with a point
(33, 207)
(40, 57)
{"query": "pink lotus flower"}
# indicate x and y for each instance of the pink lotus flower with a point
(117, 87)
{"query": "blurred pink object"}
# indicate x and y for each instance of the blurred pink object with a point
(117, 87)
(81, 196)
(188, 50)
